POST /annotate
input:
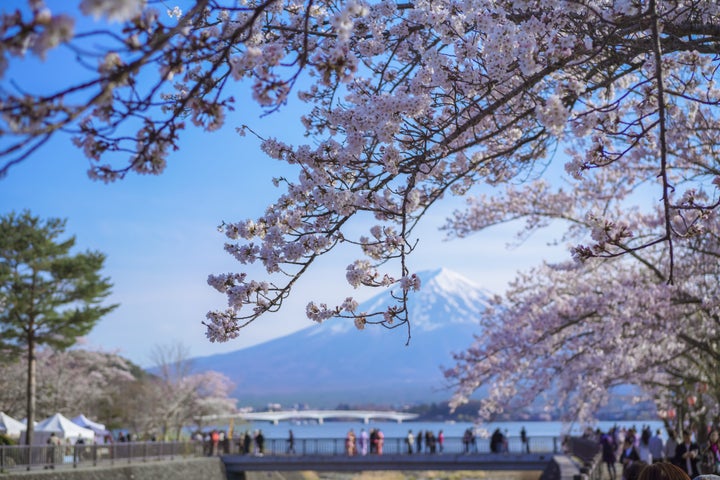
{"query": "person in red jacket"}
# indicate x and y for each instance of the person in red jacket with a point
(214, 441)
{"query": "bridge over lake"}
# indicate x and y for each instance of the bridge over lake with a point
(317, 415)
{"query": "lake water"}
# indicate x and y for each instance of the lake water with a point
(332, 429)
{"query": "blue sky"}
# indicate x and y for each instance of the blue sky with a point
(160, 232)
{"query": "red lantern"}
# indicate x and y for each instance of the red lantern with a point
(691, 399)
(702, 387)
(671, 413)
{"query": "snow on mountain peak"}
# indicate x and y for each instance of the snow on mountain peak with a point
(444, 297)
(447, 281)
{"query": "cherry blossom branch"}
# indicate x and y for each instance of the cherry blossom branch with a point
(660, 86)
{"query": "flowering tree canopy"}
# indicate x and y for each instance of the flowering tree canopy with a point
(407, 102)
(83, 381)
(575, 330)
(109, 388)
(178, 395)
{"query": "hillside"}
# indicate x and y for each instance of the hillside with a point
(333, 363)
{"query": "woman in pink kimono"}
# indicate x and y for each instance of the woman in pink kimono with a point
(350, 448)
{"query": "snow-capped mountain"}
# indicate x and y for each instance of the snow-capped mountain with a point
(332, 363)
(444, 297)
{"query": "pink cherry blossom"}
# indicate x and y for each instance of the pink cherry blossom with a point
(408, 103)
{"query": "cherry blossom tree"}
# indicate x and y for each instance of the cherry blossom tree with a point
(70, 382)
(407, 103)
(84, 381)
(12, 396)
(175, 396)
(109, 388)
(570, 332)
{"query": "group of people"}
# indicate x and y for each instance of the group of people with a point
(432, 442)
(634, 452)
(53, 451)
(217, 442)
(365, 442)
(498, 442)
(469, 440)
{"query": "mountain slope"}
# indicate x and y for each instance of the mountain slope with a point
(332, 363)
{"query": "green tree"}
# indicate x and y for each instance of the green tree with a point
(51, 297)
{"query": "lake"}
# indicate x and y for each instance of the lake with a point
(333, 429)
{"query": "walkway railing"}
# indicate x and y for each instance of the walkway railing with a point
(395, 446)
(333, 455)
(589, 453)
(69, 456)
(14, 457)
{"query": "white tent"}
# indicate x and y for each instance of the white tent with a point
(63, 428)
(98, 428)
(10, 426)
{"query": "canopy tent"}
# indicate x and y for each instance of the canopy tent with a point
(10, 426)
(63, 428)
(98, 428)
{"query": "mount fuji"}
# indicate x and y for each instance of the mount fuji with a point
(333, 363)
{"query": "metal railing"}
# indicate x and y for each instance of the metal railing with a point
(14, 457)
(391, 446)
(589, 452)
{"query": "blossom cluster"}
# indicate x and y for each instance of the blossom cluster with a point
(119, 10)
(581, 329)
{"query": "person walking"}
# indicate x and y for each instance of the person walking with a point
(247, 443)
(290, 443)
(607, 442)
(656, 446)
(440, 441)
(419, 441)
(260, 443)
(381, 441)
(670, 446)
(410, 441)
(496, 441)
(466, 441)
(363, 442)
(431, 442)
(350, 443)
(524, 440)
(644, 445)
(53, 450)
(214, 441)
(686, 455)
(629, 455)
(711, 454)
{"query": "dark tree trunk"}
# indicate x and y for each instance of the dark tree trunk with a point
(31, 387)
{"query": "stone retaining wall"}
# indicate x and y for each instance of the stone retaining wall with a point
(204, 468)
